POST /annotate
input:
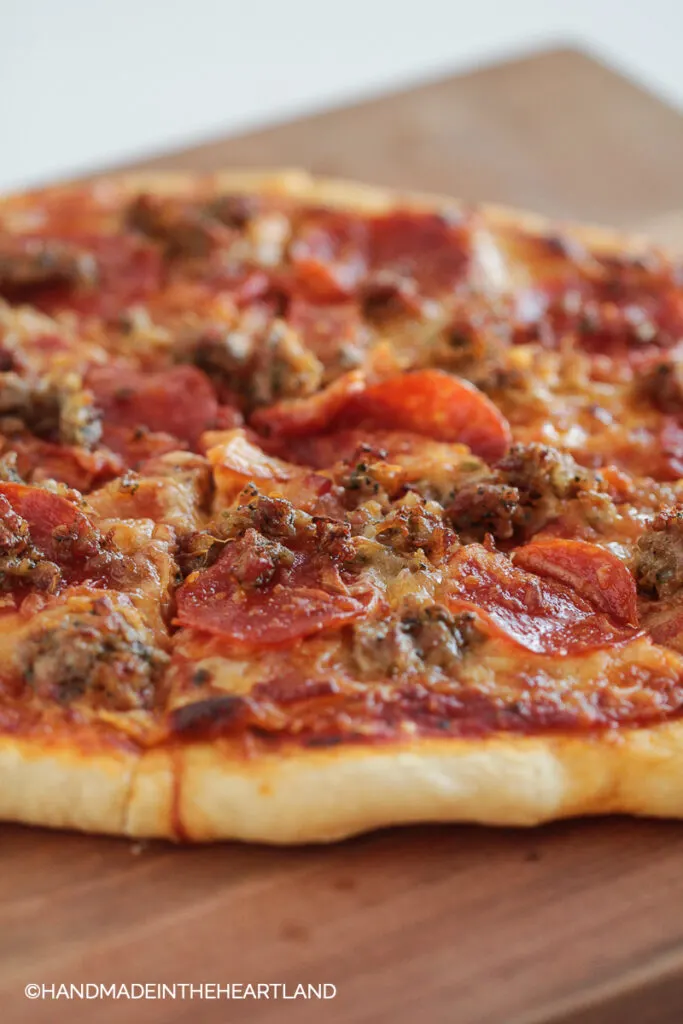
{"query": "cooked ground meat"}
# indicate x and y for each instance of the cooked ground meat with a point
(59, 410)
(473, 347)
(276, 518)
(422, 638)
(528, 488)
(30, 262)
(283, 367)
(412, 528)
(658, 562)
(385, 295)
(368, 476)
(234, 211)
(272, 519)
(19, 559)
(258, 559)
(93, 654)
(482, 507)
(184, 228)
(544, 478)
(261, 366)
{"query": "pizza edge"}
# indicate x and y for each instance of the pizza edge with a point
(204, 791)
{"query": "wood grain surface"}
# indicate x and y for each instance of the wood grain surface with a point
(576, 923)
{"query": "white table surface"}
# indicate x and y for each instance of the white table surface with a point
(84, 83)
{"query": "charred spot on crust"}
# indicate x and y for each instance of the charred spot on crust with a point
(207, 717)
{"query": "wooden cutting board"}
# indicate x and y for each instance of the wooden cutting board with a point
(577, 922)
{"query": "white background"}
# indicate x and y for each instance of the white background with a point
(84, 83)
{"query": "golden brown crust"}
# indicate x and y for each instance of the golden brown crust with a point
(207, 791)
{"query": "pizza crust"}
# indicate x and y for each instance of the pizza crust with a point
(356, 196)
(57, 784)
(209, 791)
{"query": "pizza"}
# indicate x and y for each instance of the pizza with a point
(324, 508)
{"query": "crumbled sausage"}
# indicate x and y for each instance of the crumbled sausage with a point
(545, 479)
(94, 654)
(184, 228)
(658, 563)
(482, 507)
(233, 210)
(19, 559)
(31, 262)
(422, 638)
(385, 295)
(368, 476)
(407, 529)
(261, 365)
(258, 558)
(55, 410)
(283, 367)
(273, 519)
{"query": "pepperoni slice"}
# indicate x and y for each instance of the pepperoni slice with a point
(329, 255)
(42, 460)
(542, 615)
(228, 601)
(44, 512)
(426, 247)
(595, 574)
(427, 402)
(128, 270)
(180, 401)
(623, 316)
(316, 414)
(334, 332)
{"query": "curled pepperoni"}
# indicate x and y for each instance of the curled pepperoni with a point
(234, 599)
(542, 615)
(43, 460)
(58, 529)
(427, 402)
(316, 414)
(180, 402)
(593, 573)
